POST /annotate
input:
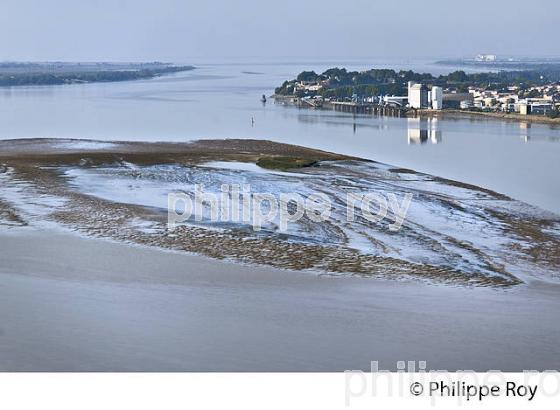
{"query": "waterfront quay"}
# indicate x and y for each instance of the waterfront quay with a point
(346, 106)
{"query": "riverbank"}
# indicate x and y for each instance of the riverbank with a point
(354, 108)
(449, 113)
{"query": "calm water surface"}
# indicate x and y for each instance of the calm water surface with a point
(218, 100)
(64, 308)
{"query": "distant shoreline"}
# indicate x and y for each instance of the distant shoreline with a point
(543, 64)
(39, 74)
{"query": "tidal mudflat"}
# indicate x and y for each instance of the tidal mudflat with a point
(453, 233)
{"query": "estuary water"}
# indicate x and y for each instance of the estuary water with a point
(222, 100)
(140, 309)
(65, 308)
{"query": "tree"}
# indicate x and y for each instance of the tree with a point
(458, 76)
(307, 76)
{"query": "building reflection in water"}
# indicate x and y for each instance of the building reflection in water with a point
(527, 136)
(422, 130)
(525, 128)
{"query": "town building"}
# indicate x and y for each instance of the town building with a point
(535, 106)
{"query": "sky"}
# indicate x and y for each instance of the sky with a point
(182, 31)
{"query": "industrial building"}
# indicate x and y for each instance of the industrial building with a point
(486, 58)
(420, 97)
(437, 98)
(395, 100)
(417, 95)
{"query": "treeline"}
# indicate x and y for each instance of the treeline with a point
(363, 90)
(56, 78)
(338, 82)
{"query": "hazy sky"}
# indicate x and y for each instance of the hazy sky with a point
(174, 30)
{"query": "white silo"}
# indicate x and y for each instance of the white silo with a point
(437, 98)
